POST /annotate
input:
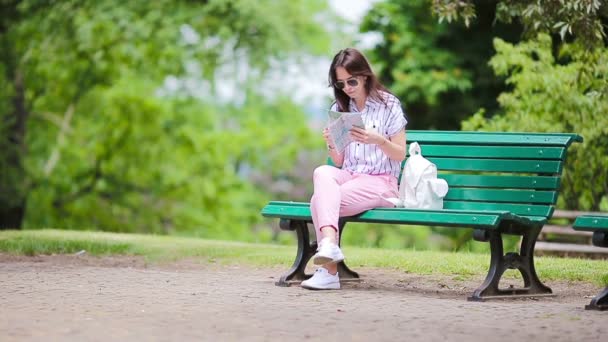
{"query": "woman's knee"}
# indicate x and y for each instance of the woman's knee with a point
(323, 171)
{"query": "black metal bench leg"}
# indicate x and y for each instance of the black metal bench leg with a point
(600, 302)
(500, 262)
(305, 251)
(525, 264)
(345, 272)
(490, 285)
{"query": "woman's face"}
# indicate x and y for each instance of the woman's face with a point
(351, 86)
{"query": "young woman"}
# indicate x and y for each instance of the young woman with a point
(366, 171)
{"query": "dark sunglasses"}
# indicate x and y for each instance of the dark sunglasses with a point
(353, 82)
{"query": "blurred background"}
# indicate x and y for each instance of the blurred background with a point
(186, 117)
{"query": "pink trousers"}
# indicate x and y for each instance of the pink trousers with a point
(340, 193)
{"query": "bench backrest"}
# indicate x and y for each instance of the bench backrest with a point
(518, 172)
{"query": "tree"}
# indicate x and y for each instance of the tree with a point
(439, 71)
(571, 65)
(91, 143)
(441, 68)
(580, 19)
(552, 95)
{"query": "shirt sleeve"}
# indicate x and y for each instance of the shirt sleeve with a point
(396, 117)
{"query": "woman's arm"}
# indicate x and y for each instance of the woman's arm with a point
(335, 156)
(393, 147)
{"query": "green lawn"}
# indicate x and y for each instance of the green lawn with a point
(167, 249)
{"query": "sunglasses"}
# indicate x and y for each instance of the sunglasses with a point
(353, 82)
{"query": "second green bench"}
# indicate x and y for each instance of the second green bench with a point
(598, 224)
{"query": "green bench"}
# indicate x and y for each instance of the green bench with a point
(598, 224)
(500, 183)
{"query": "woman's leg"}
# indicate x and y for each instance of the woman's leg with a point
(365, 192)
(326, 201)
(358, 194)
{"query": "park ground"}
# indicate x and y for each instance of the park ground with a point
(120, 298)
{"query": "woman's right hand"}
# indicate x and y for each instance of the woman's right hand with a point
(327, 137)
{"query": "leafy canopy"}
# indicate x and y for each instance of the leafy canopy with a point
(104, 148)
(549, 96)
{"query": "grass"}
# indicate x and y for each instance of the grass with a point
(168, 249)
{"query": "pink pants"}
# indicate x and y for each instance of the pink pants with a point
(340, 193)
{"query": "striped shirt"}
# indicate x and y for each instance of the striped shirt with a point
(387, 119)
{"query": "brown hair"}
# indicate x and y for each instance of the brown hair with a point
(355, 64)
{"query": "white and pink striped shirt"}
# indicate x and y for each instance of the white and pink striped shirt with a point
(387, 118)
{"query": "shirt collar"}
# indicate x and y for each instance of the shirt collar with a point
(369, 103)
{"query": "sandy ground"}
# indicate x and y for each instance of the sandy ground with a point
(70, 298)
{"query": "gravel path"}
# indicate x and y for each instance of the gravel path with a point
(68, 298)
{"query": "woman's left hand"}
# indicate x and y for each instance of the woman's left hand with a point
(366, 136)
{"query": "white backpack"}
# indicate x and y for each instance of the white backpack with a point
(420, 188)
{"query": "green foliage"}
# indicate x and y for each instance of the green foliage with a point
(416, 49)
(104, 150)
(439, 71)
(578, 75)
(580, 18)
(423, 71)
(573, 18)
(568, 94)
(149, 164)
(454, 10)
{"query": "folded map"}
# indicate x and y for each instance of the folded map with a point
(340, 123)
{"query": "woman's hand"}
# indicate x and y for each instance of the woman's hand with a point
(327, 137)
(367, 136)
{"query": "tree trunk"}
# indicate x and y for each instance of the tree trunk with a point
(12, 218)
(14, 182)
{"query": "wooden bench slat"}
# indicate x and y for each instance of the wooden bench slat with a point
(487, 219)
(591, 223)
(503, 195)
(493, 138)
(280, 209)
(485, 151)
(507, 182)
(444, 218)
(519, 209)
(497, 165)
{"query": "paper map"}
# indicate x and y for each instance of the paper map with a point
(340, 123)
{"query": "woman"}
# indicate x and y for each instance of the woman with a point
(368, 168)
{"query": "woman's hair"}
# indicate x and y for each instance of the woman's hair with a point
(355, 64)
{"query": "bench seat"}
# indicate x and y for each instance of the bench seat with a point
(481, 219)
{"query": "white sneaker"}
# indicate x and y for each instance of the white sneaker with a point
(328, 252)
(322, 280)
